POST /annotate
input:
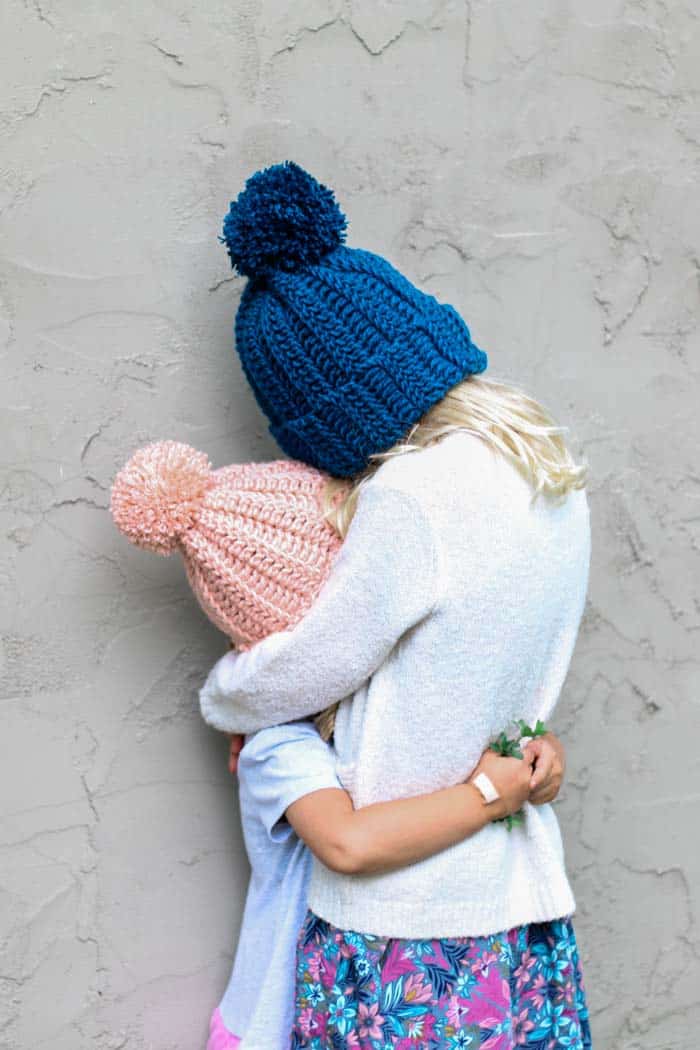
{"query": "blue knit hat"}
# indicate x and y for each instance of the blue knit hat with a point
(343, 353)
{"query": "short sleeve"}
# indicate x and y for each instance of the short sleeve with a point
(282, 765)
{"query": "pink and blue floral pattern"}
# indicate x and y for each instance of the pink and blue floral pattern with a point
(518, 989)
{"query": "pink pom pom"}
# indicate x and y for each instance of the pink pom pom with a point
(157, 496)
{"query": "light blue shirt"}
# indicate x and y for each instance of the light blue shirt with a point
(276, 768)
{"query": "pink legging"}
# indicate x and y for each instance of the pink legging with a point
(219, 1036)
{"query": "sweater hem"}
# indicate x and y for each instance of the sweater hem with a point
(380, 920)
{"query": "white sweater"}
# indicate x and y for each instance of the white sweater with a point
(453, 608)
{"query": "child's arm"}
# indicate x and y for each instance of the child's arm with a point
(390, 835)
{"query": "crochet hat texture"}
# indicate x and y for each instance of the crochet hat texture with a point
(256, 546)
(343, 353)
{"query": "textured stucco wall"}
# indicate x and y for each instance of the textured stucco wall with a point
(537, 165)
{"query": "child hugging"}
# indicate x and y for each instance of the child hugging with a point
(389, 906)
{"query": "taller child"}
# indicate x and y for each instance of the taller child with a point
(452, 608)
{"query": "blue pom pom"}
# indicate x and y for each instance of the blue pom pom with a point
(283, 220)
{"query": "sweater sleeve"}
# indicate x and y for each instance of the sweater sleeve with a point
(383, 582)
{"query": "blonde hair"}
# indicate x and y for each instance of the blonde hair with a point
(510, 422)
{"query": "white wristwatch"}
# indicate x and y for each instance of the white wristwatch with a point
(486, 788)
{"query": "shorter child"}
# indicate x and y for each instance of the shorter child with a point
(291, 799)
(257, 549)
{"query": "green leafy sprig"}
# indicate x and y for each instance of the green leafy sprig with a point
(507, 745)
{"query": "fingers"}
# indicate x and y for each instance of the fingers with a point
(532, 750)
(546, 794)
(542, 774)
(544, 757)
(233, 763)
(234, 750)
(547, 777)
(558, 747)
(548, 790)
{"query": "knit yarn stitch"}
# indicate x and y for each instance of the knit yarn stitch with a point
(343, 353)
(256, 546)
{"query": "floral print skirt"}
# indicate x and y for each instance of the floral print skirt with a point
(520, 988)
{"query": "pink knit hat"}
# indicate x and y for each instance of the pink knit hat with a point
(256, 546)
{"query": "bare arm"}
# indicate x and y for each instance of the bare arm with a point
(390, 835)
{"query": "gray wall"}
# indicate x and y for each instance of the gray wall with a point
(536, 165)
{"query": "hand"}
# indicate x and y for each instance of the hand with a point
(511, 778)
(547, 756)
(234, 750)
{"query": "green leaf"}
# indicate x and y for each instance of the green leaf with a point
(512, 820)
(502, 745)
(526, 730)
(509, 747)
